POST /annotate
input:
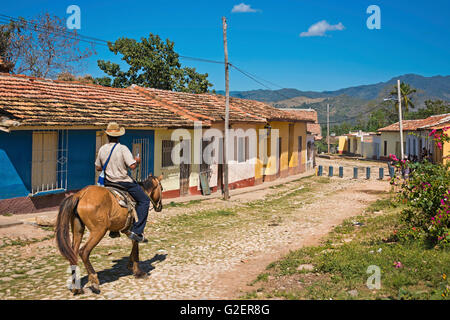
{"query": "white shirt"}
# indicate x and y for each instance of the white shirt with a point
(121, 158)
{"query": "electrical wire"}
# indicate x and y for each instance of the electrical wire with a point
(76, 36)
(58, 31)
(92, 40)
(253, 77)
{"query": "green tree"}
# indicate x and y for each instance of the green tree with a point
(152, 63)
(406, 95)
(432, 107)
(383, 116)
(104, 81)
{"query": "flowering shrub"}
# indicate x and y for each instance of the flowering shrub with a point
(426, 193)
(440, 223)
(440, 137)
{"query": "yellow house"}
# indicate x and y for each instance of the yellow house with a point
(416, 140)
(290, 141)
(445, 154)
(290, 134)
(342, 144)
(441, 154)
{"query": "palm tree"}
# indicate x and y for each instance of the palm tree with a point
(406, 91)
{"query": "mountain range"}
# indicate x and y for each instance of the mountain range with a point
(353, 102)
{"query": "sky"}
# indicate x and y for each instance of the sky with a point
(304, 44)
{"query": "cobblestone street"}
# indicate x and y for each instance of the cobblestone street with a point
(207, 249)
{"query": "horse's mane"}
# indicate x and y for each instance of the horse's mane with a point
(148, 182)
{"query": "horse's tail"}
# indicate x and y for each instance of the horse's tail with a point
(67, 211)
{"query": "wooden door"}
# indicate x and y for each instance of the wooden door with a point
(204, 167)
(185, 168)
(205, 170)
(220, 166)
(44, 168)
(299, 151)
(279, 143)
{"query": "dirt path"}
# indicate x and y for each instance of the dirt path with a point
(202, 250)
(324, 214)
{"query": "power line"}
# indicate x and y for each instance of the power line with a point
(249, 76)
(76, 36)
(59, 31)
(253, 77)
(343, 120)
(41, 28)
(201, 59)
(67, 36)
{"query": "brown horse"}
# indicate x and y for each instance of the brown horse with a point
(97, 208)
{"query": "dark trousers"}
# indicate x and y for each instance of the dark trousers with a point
(142, 205)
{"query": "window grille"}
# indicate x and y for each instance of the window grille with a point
(49, 161)
(167, 146)
(241, 154)
(141, 147)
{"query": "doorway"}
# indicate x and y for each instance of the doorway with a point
(185, 168)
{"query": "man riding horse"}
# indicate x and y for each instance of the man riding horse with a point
(99, 210)
(120, 158)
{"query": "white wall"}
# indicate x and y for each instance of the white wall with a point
(237, 171)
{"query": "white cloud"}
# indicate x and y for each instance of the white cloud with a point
(318, 29)
(242, 7)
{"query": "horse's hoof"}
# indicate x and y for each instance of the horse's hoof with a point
(77, 291)
(95, 289)
(141, 275)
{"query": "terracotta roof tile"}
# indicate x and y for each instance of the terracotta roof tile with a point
(310, 115)
(212, 107)
(412, 125)
(43, 102)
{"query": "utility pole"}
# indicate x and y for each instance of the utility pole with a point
(328, 127)
(226, 195)
(400, 119)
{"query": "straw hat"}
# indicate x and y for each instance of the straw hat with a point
(114, 130)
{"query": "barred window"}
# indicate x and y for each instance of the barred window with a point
(49, 161)
(167, 146)
(241, 154)
(247, 149)
(235, 149)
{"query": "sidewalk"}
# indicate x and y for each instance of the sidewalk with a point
(31, 218)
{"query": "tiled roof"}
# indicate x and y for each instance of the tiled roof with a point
(212, 107)
(43, 102)
(313, 125)
(269, 112)
(205, 106)
(314, 129)
(412, 125)
(307, 114)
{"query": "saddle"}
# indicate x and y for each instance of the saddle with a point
(125, 200)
